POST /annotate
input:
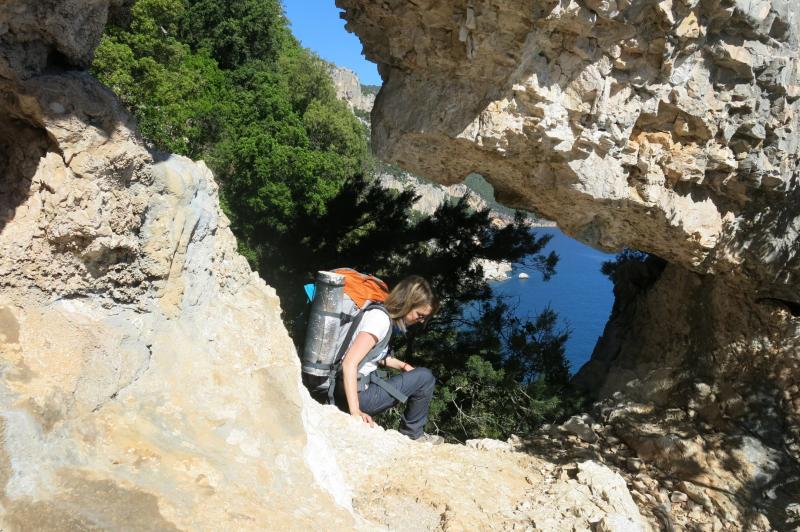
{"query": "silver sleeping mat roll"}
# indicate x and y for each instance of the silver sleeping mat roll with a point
(324, 323)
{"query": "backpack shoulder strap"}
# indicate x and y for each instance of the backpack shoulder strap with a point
(378, 348)
(373, 353)
(374, 378)
(355, 322)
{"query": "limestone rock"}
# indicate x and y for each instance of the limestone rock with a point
(348, 88)
(568, 113)
(489, 444)
(137, 389)
(581, 426)
(495, 270)
(793, 513)
(678, 497)
(611, 488)
(34, 35)
(612, 507)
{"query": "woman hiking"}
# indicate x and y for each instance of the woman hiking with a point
(361, 392)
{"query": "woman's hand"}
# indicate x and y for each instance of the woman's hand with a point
(407, 367)
(366, 418)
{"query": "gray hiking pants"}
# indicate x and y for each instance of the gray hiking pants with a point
(417, 384)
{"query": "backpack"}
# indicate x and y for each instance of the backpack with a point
(362, 288)
(339, 300)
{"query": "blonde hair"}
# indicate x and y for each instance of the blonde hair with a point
(410, 293)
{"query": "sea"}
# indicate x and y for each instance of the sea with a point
(579, 293)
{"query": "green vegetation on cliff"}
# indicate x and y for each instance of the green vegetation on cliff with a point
(225, 81)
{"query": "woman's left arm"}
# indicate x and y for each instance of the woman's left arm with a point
(391, 362)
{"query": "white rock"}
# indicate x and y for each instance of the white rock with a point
(488, 444)
(581, 427)
(348, 88)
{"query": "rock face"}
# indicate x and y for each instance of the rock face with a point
(669, 126)
(432, 195)
(143, 363)
(348, 88)
(603, 117)
(147, 381)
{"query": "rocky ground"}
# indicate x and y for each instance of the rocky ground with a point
(657, 466)
(483, 485)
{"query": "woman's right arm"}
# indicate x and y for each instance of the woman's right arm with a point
(361, 346)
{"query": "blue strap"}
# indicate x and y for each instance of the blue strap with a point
(310, 291)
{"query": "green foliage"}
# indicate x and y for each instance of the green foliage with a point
(225, 81)
(482, 401)
(370, 89)
(498, 375)
(305, 78)
(236, 32)
(613, 268)
(175, 95)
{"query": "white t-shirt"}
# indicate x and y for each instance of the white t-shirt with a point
(377, 323)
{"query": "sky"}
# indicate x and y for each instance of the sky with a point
(317, 25)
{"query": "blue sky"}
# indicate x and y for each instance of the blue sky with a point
(317, 25)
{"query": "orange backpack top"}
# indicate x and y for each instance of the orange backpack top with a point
(361, 287)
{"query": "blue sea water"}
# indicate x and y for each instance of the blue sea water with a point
(578, 292)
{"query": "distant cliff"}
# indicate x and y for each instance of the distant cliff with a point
(349, 88)
(431, 195)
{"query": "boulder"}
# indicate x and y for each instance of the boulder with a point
(581, 426)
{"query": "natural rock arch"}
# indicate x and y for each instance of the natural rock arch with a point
(665, 126)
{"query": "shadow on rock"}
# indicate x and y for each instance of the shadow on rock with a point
(21, 148)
